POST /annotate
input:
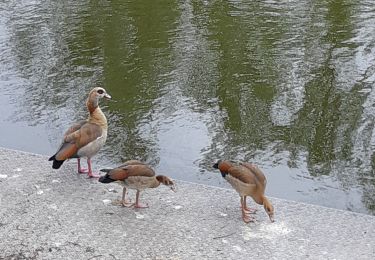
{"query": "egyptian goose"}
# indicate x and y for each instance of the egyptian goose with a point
(86, 137)
(248, 180)
(135, 175)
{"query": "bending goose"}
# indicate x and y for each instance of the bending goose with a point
(248, 180)
(135, 175)
(86, 137)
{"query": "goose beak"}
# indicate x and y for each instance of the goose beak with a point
(107, 96)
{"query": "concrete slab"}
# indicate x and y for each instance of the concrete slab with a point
(48, 214)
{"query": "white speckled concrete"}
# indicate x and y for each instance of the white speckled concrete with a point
(49, 214)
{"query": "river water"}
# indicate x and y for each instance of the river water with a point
(288, 85)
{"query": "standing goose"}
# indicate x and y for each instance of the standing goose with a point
(248, 180)
(135, 175)
(86, 137)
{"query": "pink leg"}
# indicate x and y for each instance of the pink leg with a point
(245, 213)
(137, 203)
(246, 217)
(125, 202)
(90, 173)
(80, 170)
(245, 208)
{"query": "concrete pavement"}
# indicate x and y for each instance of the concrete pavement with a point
(49, 214)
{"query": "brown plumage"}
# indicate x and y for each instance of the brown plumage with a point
(136, 175)
(248, 180)
(86, 137)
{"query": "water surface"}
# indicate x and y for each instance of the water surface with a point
(287, 85)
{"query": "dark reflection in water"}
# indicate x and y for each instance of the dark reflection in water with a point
(285, 84)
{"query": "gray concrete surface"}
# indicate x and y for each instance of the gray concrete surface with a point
(47, 214)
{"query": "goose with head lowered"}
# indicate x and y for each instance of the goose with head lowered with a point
(85, 138)
(134, 174)
(248, 180)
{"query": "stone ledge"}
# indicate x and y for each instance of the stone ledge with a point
(49, 214)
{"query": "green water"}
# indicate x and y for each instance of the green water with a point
(287, 85)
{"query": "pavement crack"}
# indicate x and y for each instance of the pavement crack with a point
(224, 235)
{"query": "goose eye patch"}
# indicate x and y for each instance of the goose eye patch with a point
(100, 91)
